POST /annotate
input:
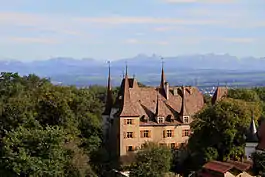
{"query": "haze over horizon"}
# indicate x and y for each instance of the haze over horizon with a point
(116, 30)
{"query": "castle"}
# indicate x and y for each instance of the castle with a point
(159, 114)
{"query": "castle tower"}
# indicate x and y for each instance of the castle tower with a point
(164, 86)
(251, 139)
(108, 106)
(184, 114)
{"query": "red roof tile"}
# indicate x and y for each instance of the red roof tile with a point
(220, 93)
(221, 167)
(242, 166)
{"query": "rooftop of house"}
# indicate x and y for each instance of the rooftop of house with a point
(229, 166)
(219, 94)
(149, 102)
(165, 101)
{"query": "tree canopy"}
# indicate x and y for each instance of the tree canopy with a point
(218, 131)
(151, 161)
(44, 127)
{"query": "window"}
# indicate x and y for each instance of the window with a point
(129, 148)
(185, 133)
(129, 135)
(186, 119)
(146, 133)
(129, 121)
(172, 145)
(169, 133)
(160, 119)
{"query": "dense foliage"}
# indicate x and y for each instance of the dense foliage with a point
(152, 161)
(47, 130)
(218, 130)
(259, 163)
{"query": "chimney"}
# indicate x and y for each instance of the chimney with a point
(167, 90)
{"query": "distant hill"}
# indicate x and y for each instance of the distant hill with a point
(205, 69)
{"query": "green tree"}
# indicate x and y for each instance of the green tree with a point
(218, 131)
(34, 152)
(259, 163)
(260, 92)
(31, 105)
(248, 95)
(152, 161)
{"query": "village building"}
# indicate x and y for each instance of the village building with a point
(226, 169)
(139, 114)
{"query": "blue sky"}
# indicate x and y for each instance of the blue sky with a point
(113, 29)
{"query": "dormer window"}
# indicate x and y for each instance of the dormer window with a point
(170, 118)
(160, 120)
(144, 118)
(185, 119)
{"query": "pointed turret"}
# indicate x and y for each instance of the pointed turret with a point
(164, 86)
(128, 108)
(163, 79)
(159, 112)
(184, 112)
(109, 98)
(219, 94)
(252, 132)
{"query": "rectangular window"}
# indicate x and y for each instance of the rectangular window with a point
(186, 119)
(185, 132)
(146, 133)
(129, 135)
(169, 133)
(129, 122)
(129, 148)
(160, 120)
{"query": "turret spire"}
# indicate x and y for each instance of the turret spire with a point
(109, 99)
(163, 80)
(252, 131)
(183, 111)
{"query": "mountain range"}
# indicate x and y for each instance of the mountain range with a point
(207, 69)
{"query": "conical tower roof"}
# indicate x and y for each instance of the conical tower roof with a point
(184, 111)
(252, 132)
(109, 98)
(128, 108)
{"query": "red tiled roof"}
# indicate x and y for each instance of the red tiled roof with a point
(221, 167)
(128, 108)
(142, 101)
(219, 94)
(242, 166)
(184, 111)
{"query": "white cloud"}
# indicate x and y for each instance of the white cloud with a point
(147, 20)
(239, 40)
(136, 41)
(131, 41)
(32, 40)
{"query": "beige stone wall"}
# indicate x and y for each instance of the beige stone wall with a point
(124, 142)
(228, 174)
(155, 136)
